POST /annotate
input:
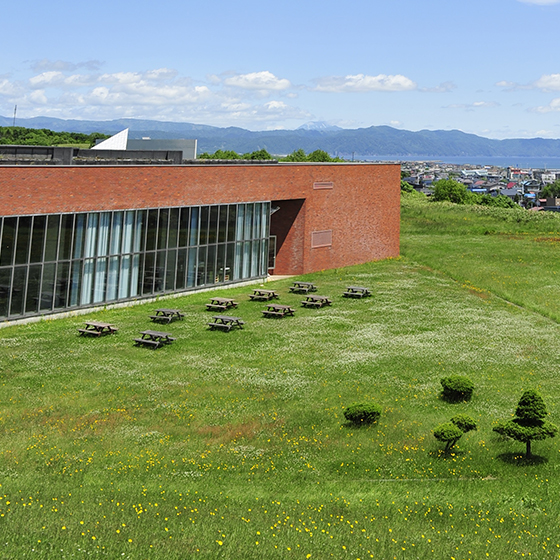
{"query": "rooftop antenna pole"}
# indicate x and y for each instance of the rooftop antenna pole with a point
(15, 111)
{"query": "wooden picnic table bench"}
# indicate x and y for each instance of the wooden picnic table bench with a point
(96, 328)
(303, 287)
(356, 292)
(166, 315)
(263, 295)
(154, 339)
(316, 301)
(225, 322)
(221, 304)
(276, 310)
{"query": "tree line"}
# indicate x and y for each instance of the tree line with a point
(295, 156)
(21, 136)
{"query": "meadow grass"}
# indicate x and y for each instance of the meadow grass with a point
(511, 253)
(234, 445)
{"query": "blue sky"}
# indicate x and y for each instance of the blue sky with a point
(488, 67)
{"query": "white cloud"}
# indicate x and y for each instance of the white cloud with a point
(79, 80)
(364, 83)
(160, 74)
(544, 133)
(51, 78)
(541, 2)
(507, 85)
(121, 78)
(156, 94)
(46, 65)
(444, 87)
(8, 88)
(38, 97)
(276, 105)
(548, 82)
(484, 104)
(552, 107)
(263, 81)
(472, 106)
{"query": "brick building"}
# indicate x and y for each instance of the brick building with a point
(75, 236)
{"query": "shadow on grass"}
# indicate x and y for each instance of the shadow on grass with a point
(454, 399)
(519, 459)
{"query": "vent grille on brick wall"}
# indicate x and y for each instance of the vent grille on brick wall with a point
(321, 238)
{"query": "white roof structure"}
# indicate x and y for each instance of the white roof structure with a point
(116, 142)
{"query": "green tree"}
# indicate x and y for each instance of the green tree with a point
(450, 191)
(528, 423)
(220, 154)
(317, 156)
(20, 135)
(258, 155)
(551, 191)
(296, 155)
(407, 187)
(499, 201)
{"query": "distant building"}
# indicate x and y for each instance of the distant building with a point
(187, 147)
(474, 173)
(121, 141)
(517, 175)
(546, 177)
(85, 228)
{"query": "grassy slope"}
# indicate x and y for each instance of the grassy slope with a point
(513, 254)
(233, 444)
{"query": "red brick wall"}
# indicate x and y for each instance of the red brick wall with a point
(362, 209)
(288, 225)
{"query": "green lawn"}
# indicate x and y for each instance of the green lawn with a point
(233, 445)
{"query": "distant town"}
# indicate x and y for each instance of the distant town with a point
(523, 186)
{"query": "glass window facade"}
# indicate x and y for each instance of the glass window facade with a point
(49, 263)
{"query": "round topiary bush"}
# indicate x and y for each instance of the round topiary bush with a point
(363, 413)
(457, 388)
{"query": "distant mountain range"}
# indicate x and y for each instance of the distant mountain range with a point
(372, 141)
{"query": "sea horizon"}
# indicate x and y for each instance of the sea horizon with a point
(545, 162)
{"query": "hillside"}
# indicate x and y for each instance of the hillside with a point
(372, 141)
(235, 445)
(18, 135)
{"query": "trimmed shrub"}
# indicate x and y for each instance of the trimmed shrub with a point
(528, 423)
(363, 413)
(450, 432)
(457, 388)
(464, 422)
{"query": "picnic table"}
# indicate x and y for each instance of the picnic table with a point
(166, 315)
(221, 303)
(95, 328)
(154, 339)
(303, 287)
(276, 310)
(263, 295)
(316, 301)
(225, 322)
(356, 292)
